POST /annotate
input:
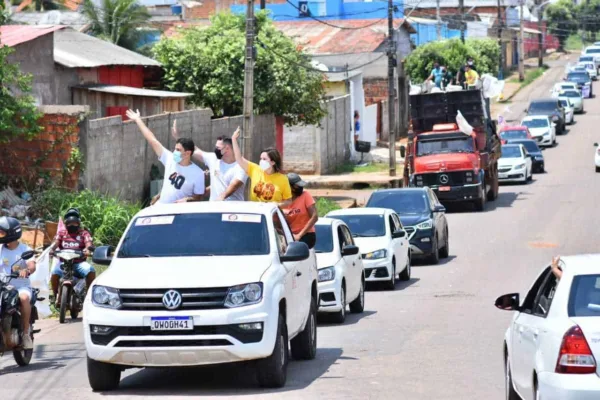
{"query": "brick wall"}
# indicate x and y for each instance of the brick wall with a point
(376, 90)
(49, 152)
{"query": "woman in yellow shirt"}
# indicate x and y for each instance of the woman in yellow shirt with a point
(267, 183)
(471, 75)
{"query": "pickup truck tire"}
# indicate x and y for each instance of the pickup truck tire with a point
(480, 202)
(340, 316)
(272, 371)
(103, 377)
(358, 305)
(494, 187)
(304, 346)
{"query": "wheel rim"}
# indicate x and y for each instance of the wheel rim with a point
(362, 294)
(282, 349)
(313, 330)
(408, 266)
(343, 301)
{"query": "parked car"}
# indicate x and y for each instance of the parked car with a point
(593, 51)
(562, 86)
(575, 97)
(590, 68)
(591, 59)
(583, 81)
(202, 283)
(551, 108)
(543, 131)
(341, 273)
(423, 218)
(569, 109)
(534, 150)
(515, 164)
(597, 157)
(382, 240)
(510, 132)
(551, 347)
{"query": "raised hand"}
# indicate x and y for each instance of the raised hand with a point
(133, 115)
(174, 130)
(236, 134)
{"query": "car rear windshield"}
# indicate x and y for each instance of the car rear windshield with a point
(401, 201)
(530, 145)
(324, 239)
(454, 145)
(511, 152)
(514, 134)
(536, 123)
(544, 106)
(198, 234)
(578, 77)
(364, 225)
(592, 51)
(587, 58)
(584, 300)
(571, 93)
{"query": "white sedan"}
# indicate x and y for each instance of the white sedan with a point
(561, 86)
(597, 157)
(542, 130)
(341, 273)
(590, 68)
(575, 97)
(382, 240)
(552, 344)
(515, 164)
(569, 109)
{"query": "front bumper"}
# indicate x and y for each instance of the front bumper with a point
(554, 386)
(421, 242)
(514, 175)
(378, 270)
(468, 192)
(329, 295)
(538, 165)
(216, 337)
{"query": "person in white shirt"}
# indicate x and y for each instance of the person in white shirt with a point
(227, 178)
(183, 180)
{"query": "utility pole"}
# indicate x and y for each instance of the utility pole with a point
(249, 82)
(391, 88)
(402, 98)
(461, 12)
(262, 4)
(521, 44)
(439, 20)
(500, 44)
(540, 36)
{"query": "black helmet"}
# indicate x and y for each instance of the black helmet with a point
(10, 230)
(72, 215)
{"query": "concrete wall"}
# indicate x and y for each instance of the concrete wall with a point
(119, 161)
(320, 149)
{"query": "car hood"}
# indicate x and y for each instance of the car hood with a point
(413, 219)
(509, 162)
(369, 244)
(538, 131)
(325, 260)
(446, 162)
(184, 272)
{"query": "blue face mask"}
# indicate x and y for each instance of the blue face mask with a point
(177, 156)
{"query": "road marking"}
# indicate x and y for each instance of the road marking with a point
(542, 245)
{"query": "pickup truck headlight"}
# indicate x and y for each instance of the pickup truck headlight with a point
(520, 166)
(425, 224)
(375, 255)
(244, 295)
(103, 296)
(327, 274)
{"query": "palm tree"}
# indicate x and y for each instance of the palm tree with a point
(116, 20)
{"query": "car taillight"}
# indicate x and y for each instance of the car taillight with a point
(575, 356)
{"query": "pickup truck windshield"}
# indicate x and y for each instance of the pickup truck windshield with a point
(364, 225)
(324, 239)
(193, 235)
(536, 123)
(454, 145)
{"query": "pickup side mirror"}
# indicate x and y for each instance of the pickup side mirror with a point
(296, 251)
(398, 234)
(350, 250)
(439, 208)
(508, 302)
(27, 255)
(103, 255)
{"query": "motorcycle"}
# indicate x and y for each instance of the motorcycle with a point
(71, 290)
(10, 316)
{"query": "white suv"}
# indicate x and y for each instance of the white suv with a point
(202, 283)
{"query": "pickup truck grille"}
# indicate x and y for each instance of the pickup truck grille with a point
(439, 179)
(192, 299)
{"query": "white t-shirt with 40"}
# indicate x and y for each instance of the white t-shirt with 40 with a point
(221, 176)
(179, 181)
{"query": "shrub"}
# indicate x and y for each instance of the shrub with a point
(106, 217)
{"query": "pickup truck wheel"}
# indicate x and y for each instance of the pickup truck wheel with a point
(358, 305)
(340, 316)
(304, 346)
(480, 202)
(272, 371)
(102, 376)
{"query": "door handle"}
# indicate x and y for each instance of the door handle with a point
(353, 264)
(298, 273)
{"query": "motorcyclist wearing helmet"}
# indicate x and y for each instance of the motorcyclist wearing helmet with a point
(10, 251)
(73, 238)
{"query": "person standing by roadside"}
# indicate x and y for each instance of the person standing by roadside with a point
(227, 178)
(301, 215)
(183, 180)
(356, 126)
(267, 183)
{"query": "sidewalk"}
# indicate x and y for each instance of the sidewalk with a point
(356, 180)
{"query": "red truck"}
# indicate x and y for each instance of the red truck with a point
(457, 166)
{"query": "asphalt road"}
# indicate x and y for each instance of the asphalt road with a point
(435, 337)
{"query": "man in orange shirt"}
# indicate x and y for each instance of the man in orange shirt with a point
(301, 215)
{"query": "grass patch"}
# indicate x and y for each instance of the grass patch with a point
(325, 205)
(574, 43)
(349, 168)
(530, 76)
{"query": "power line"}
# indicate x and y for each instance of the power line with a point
(337, 26)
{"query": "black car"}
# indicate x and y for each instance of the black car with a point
(552, 108)
(423, 217)
(581, 78)
(534, 150)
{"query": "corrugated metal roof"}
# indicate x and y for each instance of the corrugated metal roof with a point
(131, 91)
(77, 50)
(12, 35)
(317, 38)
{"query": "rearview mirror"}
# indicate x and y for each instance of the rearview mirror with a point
(27, 255)
(508, 302)
(103, 255)
(350, 250)
(439, 208)
(398, 234)
(296, 251)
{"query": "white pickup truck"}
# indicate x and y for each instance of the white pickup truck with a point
(202, 283)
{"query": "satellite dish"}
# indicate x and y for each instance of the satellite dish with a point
(51, 18)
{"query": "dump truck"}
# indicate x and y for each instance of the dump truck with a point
(458, 166)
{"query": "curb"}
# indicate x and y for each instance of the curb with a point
(354, 185)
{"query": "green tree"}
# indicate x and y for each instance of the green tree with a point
(209, 62)
(18, 113)
(588, 17)
(561, 19)
(3, 13)
(117, 21)
(487, 54)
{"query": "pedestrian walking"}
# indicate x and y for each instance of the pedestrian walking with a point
(301, 214)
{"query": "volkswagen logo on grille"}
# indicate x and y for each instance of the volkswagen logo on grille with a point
(172, 299)
(444, 178)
